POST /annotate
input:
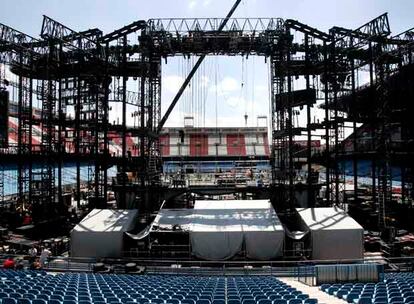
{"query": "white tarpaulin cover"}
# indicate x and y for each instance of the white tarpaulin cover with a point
(172, 219)
(101, 233)
(219, 229)
(335, 235)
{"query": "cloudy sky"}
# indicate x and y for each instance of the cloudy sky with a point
(225, 88)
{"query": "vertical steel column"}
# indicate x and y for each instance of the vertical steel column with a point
(95, 144)
(60, 145)
(142, 125)
(274, 154)
(336, 126)
(20, 152)
(105, 120)
(77, 132)
(373, 135)
(124, 101)
(30, 121)
(327, 120)
(291, 199)
(49, 177)
(385, 184)
(354, 127)
(124, 109)
(311, 202)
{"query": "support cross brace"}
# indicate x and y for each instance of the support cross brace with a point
(128, 29)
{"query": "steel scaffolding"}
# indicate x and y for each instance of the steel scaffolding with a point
(78, 77)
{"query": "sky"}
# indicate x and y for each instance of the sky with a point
(226, 88)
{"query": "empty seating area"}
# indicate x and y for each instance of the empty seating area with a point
(262, 290)
(397, 288)
(73, 288)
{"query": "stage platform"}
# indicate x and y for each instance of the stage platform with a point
(219, 230)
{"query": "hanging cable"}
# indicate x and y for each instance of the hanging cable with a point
(204, 95)
(242, 89)
(215, 86)
(199, 112)
(203, 88)
(192, 90)
(253, 89)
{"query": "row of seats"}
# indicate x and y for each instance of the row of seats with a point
(9, 273)
(75, 288)
(397, 288)
(399, 276)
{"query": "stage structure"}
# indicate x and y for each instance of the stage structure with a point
(78, 78)
(219, 230)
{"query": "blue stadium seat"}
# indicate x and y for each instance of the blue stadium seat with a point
(280, 301)
(29, 296)
(3, 295)
(56, 297)
(274, 297)
(302, 296)
(380, 300)
(295, 301)
(363, 300)
(396, 299)
(260, 297)
(394, 294)
(324, 287)
(332, 289)
(43, 297)
(310, 301)
(178, 297)
(341, 292)
(350, 297)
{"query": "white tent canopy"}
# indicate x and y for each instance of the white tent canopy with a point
(101, 233)
(335, 235)
(219, 229)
